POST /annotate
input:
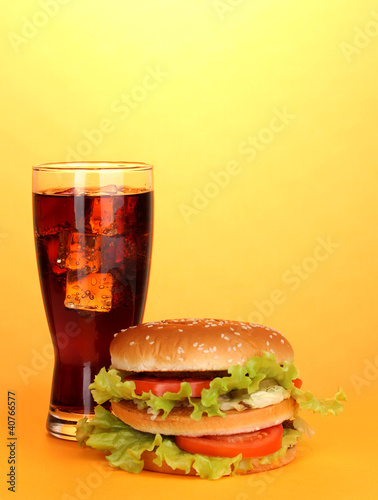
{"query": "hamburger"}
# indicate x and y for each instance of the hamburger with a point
(200, 397)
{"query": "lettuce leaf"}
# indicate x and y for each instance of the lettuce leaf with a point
(108, 385)
(307, 401)
(107, 433)
(126, 445)
(205, 467)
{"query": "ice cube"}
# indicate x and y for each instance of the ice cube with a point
(102, 191)
(84, 252)
(89, 292)
(112, 249)
(109, 189)
(102, 217)
(130, 251)
(126, 216)
(119, 220)
(124, 287)
(61, 256)
(74, 191)
(52, 213)
(52, 248)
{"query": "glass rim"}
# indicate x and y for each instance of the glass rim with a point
(92, 165)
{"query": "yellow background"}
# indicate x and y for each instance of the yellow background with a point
(243, 199)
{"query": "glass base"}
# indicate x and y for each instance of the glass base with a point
(62, 424)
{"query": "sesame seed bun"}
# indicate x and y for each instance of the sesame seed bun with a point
(194, 345)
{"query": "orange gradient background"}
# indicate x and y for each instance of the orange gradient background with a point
(260, 119)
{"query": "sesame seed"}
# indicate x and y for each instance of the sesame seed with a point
(271, 336)
(180, 350)
(160, 327)
(150, 326)
(222, 335)
(206, 351)
(180, 330)
(228, 349)
(181, 359)
(195, 344)
(168, 358)
(231, 328)
(234, 348)
(132, 343)
(226, 338)
(147, 337)
(267, 342)
(239, 345)
(152, 342)
(124, 329)
(282, 341)
(236, 333)
(229, 360)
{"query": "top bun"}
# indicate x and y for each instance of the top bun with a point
(194, 345)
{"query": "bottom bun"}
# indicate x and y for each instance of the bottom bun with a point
(149, 456)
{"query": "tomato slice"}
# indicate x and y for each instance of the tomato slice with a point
(249, 444)
(298, 383)
(159, 386)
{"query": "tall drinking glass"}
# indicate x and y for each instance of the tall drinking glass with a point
(93, 236)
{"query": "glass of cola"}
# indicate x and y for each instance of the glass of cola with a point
(93, 235)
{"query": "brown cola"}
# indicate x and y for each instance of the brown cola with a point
(93, 254)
